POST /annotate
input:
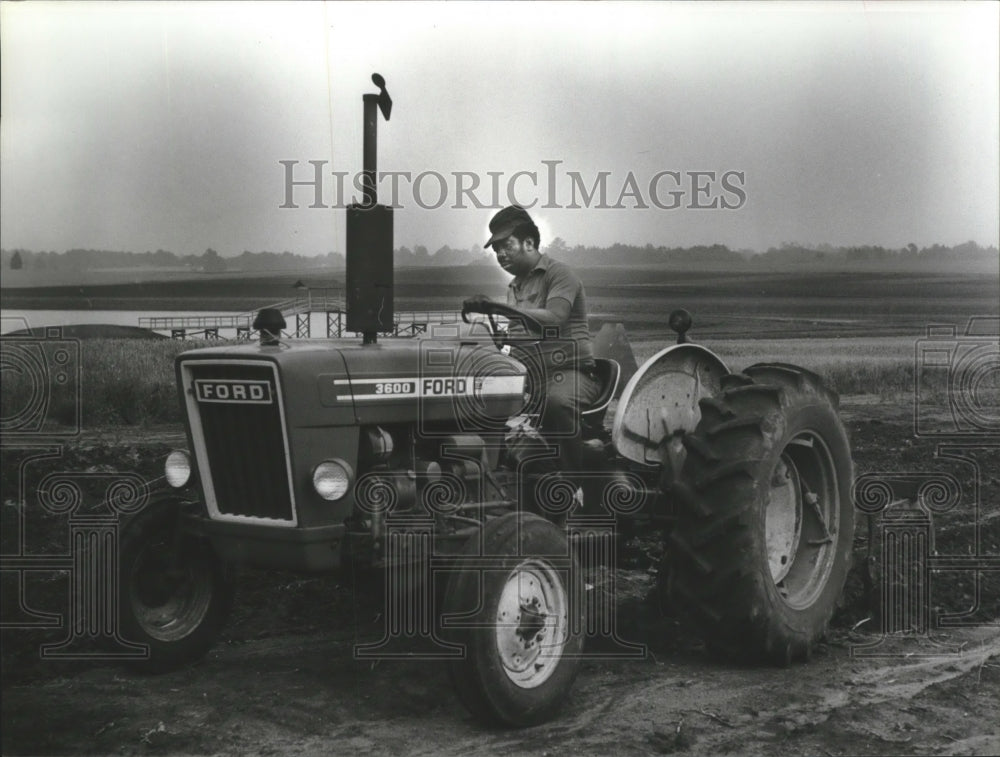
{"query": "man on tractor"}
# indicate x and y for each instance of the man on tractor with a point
(548, 292)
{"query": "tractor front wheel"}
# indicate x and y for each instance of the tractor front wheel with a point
(175, 593)
(520, 617)
(762, 545)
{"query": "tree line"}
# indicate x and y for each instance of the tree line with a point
(787, 255)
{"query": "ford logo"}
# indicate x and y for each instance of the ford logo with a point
(229, 390)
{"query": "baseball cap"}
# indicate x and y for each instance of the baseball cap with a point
(502, 225)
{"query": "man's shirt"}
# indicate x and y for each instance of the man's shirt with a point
(546, 281)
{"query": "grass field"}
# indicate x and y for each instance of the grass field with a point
(869, 365)
(111, 382)
(128, 382)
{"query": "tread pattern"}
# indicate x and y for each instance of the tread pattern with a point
(716, 555)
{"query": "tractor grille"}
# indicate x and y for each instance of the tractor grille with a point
(240, 440)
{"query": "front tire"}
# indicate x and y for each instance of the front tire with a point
(762, 544)
(522, 617)
(175, 592)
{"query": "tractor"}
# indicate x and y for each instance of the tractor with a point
(420, 457)
(320, 456)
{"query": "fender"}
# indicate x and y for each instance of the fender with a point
(661, 400)
(184, 501)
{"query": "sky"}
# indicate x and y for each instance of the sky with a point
(144, 126)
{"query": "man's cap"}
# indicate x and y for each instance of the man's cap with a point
(502, 225)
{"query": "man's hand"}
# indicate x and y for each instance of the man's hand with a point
(475, 303)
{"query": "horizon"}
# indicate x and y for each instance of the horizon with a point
(114, 268)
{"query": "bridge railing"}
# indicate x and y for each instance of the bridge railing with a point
(298, 312)
(164, 322)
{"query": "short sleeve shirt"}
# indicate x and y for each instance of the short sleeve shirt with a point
(548, 280)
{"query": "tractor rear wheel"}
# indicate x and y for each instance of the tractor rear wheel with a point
(521, 616)
(762, 544)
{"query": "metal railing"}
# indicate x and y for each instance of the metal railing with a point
(165, 322)
(297, 310)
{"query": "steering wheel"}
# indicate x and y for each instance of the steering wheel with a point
(493, 309)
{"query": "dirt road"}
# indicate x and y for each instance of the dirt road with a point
(284, 679)
(306, 695)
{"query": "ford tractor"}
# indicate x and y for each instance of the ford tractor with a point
(421, 458)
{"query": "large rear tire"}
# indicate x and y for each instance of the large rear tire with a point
(762, 544)
(522, 618)
(175, 592)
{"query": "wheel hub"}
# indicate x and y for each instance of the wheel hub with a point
(783, 520)
(531, 623)
(169, 603)
(800, 520)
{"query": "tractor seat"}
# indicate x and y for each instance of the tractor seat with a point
(607, 373)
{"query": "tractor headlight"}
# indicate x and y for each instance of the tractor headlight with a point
(332, 479)
(177, 468)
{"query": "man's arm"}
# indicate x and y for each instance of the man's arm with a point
(555, 313)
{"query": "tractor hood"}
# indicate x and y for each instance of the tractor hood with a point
(342, 382)
(431, 380)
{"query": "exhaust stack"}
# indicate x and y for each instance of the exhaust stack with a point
(369, 236)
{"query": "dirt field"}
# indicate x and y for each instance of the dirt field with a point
(303, 694)
(283, 679)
